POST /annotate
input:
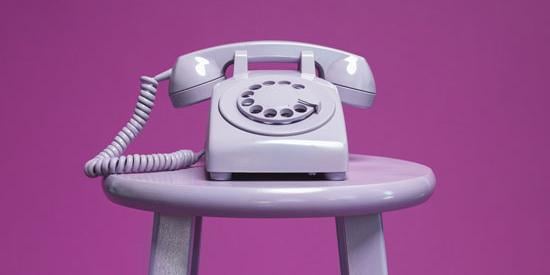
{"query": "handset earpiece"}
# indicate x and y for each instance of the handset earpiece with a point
(195, 74)
(193, 78)
(353, 78)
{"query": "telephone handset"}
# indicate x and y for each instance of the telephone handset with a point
(195, 74)
(261, 121)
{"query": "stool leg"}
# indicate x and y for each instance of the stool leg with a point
(175, 246)
(361, 245)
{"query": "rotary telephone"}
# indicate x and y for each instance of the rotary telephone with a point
(261, 121)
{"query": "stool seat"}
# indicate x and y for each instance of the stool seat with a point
(181, 198)
(373, 185)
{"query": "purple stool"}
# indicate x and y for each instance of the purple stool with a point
(181, 198)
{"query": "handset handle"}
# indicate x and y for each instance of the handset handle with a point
(195, 74)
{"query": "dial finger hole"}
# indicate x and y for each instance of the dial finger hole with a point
(269, 113)
(284, 82)
(300, 108)
(247, 94)
(269, 83)
(256, 109)
(286, 112)
(247, 102)
(298, 86)
(255, 87)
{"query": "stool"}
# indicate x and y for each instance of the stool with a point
(181, 198)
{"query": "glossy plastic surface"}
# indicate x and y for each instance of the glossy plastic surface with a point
(374, 184)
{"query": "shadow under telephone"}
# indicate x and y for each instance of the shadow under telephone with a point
(261, 121)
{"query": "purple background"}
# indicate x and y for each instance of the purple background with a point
(463, 88)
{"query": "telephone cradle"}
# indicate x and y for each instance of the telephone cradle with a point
(283, 122)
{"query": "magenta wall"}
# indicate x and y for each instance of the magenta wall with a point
(463, 88)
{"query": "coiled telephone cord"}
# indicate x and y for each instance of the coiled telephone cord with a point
(110, 160)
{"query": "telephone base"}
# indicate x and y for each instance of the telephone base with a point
(226, 176)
